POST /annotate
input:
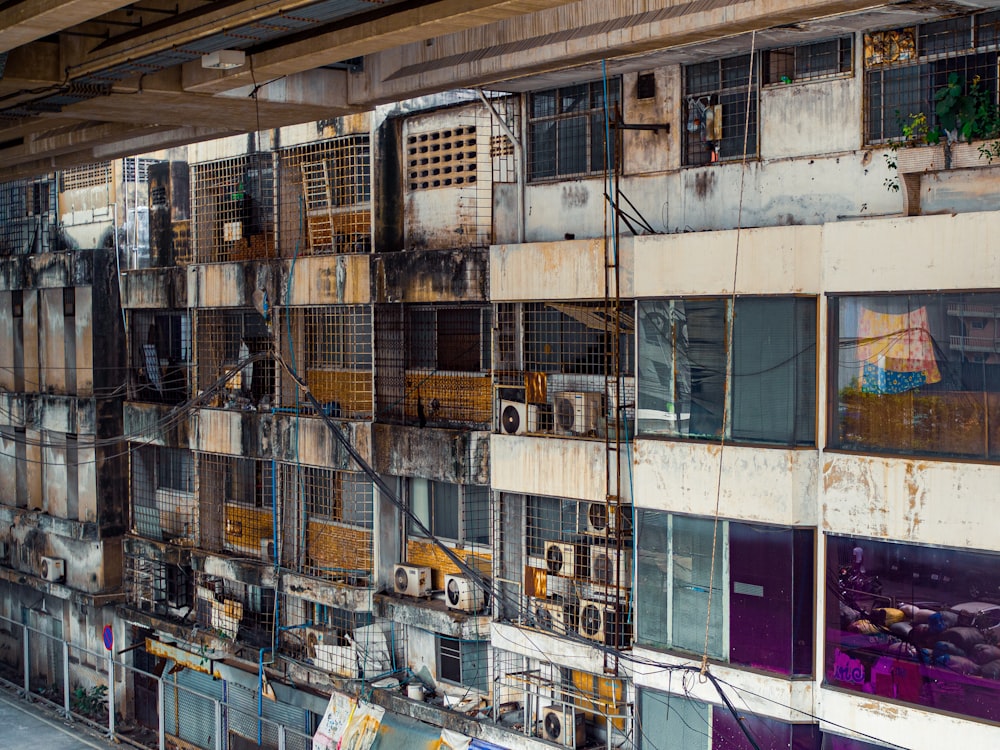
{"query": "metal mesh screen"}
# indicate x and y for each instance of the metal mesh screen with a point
(327, 528)
(91, 175)
(718, 121)
(232, 204)
(331, 347)
(326, 197)
(164, 507)
(432, 365)
(565, 366)
(160, 350)
(905, 69)
(236, 497)
(225, 339)
(234, 609)
(28, 215)
(162, 588)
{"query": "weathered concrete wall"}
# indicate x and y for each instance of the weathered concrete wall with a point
(768, 485)
(549, 466)
(917, 252)
(434, 276)
(233, 284)
(456, 456)
(930, 502)
(810, 117)
(558, 270)
(772, 260)
(155, 289)
(648, 151)
(328, 280)
(760, 693)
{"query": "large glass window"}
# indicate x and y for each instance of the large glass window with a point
(720, 108)
(914, 623)
(917, 374)
(761, 590)
(464, 662)
(905, 68)
(678, 721)
(459, 513)
(566, 129)
(688, 380)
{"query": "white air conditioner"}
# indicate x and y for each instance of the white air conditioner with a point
(549, 615)
(517, 418)
(53, 568)
(267, 549)
(462, 593)
(601, 519)
(604, 623)
(610, 567)
(513, 418)
(560, 559)
(579, 413)
(411, 580)
(563, 725)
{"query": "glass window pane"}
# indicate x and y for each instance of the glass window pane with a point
(574, 98)
(572, 140)
(914, 623)
(694, 581)
(703, 77)
(543, 103)
(653, 579)
(673, 721)
(542, 141)
(477, 514)
(444, 503)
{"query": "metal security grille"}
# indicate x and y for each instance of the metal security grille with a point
(234, 609)
(326, 197)
(232, 203)
(331, 347)
(557, 361)
(136, 169)
(906, 68)
(327, 531)
(91, 175)
(224, 341)
(28, 216)
(163, 588)
(808, 61)
(433, 365)
(159, 356)
(236, 500)
(717, 95)
(164, 507)
(567, 129)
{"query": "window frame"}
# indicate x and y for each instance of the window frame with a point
(457, 652)
(465, 514)
(773, 74)
(431, 345)
(698, 101)
(557, 118)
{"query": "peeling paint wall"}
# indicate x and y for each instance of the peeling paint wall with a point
(455, 456)
(550, 466)
(431, 277)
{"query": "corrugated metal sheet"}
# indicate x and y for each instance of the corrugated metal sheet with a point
(189, 709)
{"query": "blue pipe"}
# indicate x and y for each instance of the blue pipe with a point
(260, 694)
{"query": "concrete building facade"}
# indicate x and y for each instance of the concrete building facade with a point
(647, 405)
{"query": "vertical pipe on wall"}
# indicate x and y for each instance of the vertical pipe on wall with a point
(65, 661)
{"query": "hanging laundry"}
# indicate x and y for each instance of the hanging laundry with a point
(896, 351)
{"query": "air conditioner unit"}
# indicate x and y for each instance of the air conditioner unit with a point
(267, 549)
(53, 568)
(513, 418)
(549, 615)
(563, 725)
(604, 623)
(560, 559)
(462, 593)
(517, 418)
(601, 519)
(579, 413)
(610, 567)
(313, 637)
(411, 580)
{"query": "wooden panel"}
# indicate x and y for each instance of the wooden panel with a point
(245, 527)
